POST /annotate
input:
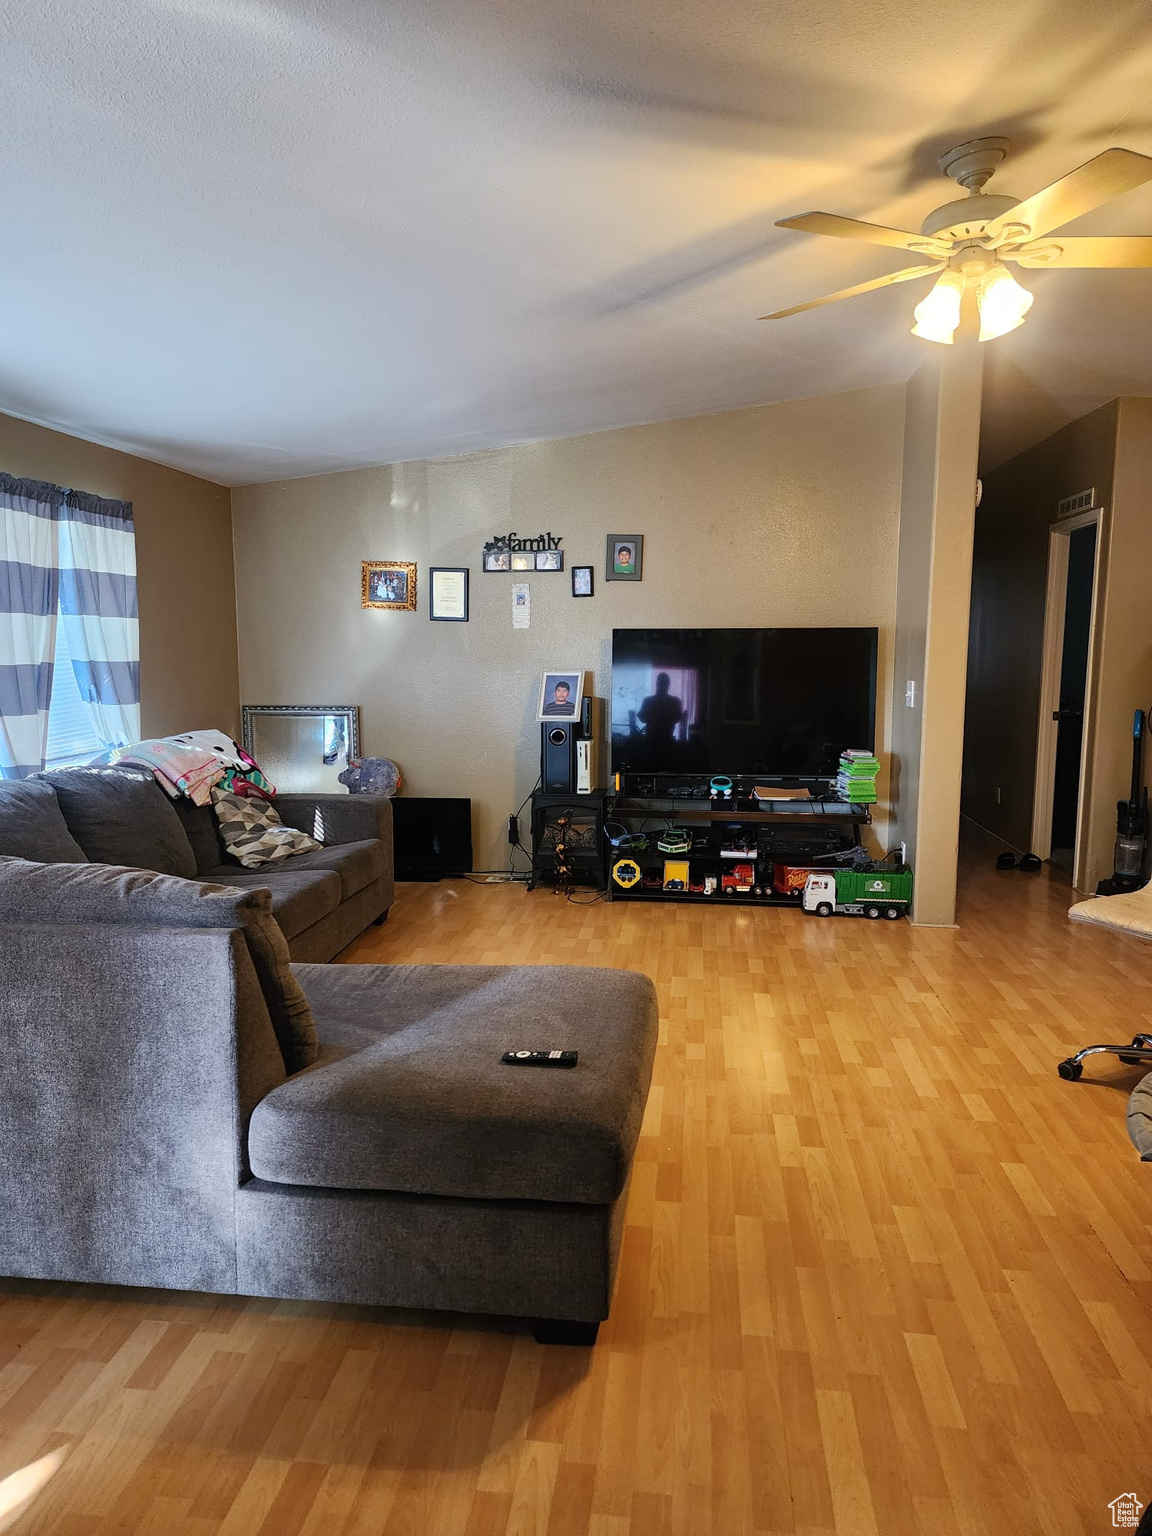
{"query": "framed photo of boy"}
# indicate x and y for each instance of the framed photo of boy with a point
(625, 557)
(582, 583)
(560, 695)
(388, 584)
(448, 594)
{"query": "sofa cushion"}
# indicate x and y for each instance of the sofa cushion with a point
(201, 830)
(357, 864)
(32, 826)
(300, 897)
(410, 1093)
(103, 893)
(122, 816)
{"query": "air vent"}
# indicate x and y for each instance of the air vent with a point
(1084, 501)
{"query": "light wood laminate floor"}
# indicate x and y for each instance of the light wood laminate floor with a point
(883, 1271)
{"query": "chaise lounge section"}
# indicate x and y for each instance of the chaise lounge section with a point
(181, 1107)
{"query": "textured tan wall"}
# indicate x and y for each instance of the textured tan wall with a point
(782, 515)
(187, 594)
(1009, 591)
(941, 444)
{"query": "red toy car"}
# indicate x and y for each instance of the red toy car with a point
(740, 878)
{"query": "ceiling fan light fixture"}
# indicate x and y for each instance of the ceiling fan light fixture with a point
(1002, 303)
(938, 315)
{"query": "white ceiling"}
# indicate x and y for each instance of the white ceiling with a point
(265, 238)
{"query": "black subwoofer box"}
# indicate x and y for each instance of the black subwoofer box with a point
(431, 839)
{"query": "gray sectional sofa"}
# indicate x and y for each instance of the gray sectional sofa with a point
(181, 1106)
(120, 815)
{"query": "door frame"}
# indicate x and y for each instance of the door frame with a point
(1046, 727)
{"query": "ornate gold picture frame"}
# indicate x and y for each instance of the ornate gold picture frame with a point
(388, 584)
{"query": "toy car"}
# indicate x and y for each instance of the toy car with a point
(790, 879)
(739, 879)
(675, 840)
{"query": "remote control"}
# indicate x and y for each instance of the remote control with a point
(540, 1058)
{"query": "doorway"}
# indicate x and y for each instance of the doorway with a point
(1065, 694)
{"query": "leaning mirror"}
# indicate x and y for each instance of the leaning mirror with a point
(302, 747)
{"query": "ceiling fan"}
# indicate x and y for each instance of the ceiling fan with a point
(967, 242)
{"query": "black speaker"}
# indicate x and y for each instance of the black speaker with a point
(558, 758)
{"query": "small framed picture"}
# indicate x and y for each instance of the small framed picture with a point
(549, 559)
(448, 594)
(522, 560)
(560, 695)
(497, 560)
(388, 584)
(582, 584)
(625, 557)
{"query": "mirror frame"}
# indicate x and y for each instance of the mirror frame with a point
(351, 713)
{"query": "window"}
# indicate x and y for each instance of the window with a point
(71, 736)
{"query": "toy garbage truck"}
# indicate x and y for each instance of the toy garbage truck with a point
(856, 893)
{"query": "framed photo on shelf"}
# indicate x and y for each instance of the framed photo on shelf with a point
(388, 584)
(560, 695)
(549, 559)
(582, 582)
(624, 559)
(448, 594)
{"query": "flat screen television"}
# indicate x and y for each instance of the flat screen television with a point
(777, 703)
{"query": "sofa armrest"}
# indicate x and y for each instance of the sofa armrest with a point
(339, 818)
(132, 1059)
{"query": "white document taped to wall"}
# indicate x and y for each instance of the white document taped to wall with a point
(521, 605)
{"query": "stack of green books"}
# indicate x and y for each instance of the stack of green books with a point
(856, 780)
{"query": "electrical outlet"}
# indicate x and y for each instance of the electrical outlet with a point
(903, 853)
(910, 693)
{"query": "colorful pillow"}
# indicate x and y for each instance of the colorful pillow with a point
(253, 832)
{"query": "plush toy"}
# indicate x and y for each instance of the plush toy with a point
(371, 776)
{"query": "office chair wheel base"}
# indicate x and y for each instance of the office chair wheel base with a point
(1070, 1070)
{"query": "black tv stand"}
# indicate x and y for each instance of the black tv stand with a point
(797, 832)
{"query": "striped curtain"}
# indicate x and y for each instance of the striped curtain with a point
(70, 552)
(29, 597)
(98, 611)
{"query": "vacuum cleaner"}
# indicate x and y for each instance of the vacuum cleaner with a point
(1131, 823)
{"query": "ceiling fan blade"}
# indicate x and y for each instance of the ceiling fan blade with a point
(857, 229)
(1101, 251)
(904, 276)
(1093, 183)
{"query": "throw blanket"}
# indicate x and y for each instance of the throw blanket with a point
(194, 763)
(179, 770)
